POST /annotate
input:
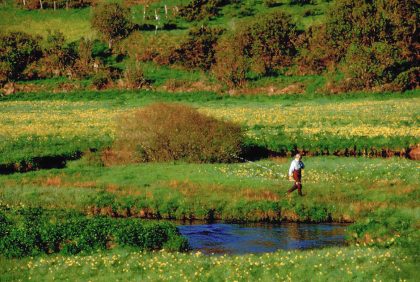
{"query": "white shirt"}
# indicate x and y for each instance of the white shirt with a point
(295, 165)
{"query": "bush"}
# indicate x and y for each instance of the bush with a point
(409, 79)
(231, 64)
(58, 56)
(17, 51)
(101, 79)
(134, 76)
(112, 21)
(199, 48)
(201, 9)
(269, 42)
(83, 66)
(301, 2)
(165, 132)
(157, 48)
(36, 231)
(365, 67)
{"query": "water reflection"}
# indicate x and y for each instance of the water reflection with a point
(261, 238)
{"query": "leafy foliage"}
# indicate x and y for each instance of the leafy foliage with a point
(164, 132)
(17, 51)
(34, 230)
(112, 21)
(198, 50)
(201, 9)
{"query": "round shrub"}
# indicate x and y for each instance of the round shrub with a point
(167, 132)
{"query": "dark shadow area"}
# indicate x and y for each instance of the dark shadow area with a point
(37, 163)
(255, 153)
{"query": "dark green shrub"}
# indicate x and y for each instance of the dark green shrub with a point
(164, 132)
(5, 224)
(154, 236)
(409, 79)
(112, 21)
(199, 48)
(95, 234)
(366, 67)
(17, 51)
(301, 2)
(269, 42)
(18, 243)
(36, 231)
(58, 57)
(130, 233)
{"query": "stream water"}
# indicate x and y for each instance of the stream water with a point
(221, 238)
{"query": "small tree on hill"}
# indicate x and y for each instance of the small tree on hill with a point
(17, 51)
(112, 22)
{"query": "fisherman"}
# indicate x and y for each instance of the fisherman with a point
(295, 174)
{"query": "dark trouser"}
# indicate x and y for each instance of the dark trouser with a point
(298, 184)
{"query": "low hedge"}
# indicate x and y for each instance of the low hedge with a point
(33, 231)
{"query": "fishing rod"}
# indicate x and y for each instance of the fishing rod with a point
(259, 165)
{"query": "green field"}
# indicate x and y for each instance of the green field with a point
(343, 264)
(362, 124)
(66, 214)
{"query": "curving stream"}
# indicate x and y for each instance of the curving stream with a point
(221, 238)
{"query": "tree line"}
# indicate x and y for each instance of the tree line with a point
(360, 45)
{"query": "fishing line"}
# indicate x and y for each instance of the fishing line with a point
(259, 165)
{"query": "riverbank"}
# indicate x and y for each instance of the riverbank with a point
(332, 264)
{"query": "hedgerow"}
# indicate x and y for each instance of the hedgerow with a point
(32, 231)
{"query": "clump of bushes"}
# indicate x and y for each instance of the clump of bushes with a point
(34, 231)
(167, 132)
(201, 9)
(198, 50)
(369, 42)
(134, 77)
(231, 64)
(17, 51)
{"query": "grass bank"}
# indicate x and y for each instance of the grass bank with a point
(337, 189)
(335, 264)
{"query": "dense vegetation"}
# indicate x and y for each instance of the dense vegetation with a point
(48, 127)
(365, 45)
(117, 98)
(146, 135)
(31, 231)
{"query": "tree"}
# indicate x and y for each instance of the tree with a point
(17, 51)
(270, 42)
(198, 50)
(231, 64)
(111, 20)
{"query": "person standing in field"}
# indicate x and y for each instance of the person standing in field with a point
(295, 174)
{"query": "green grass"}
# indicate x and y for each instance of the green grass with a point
(332, 264)
(77, 121)
(338, 189)
(73, 23)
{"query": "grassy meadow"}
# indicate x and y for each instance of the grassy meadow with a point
(331, 264)
(43, 124)
(380, 196)
(355, 147)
